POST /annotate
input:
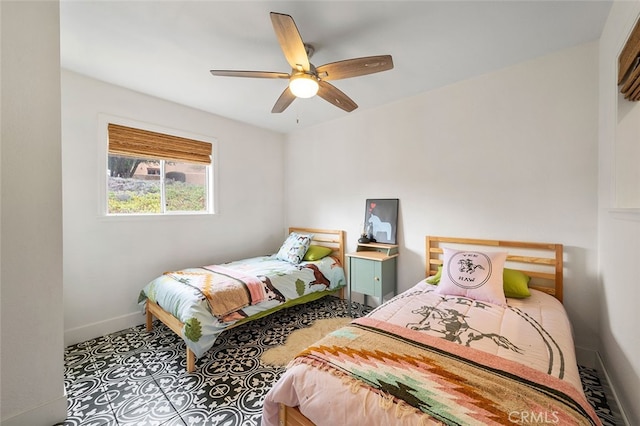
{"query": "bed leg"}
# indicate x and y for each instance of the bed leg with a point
(149, 320)
(282, 415)
(191, 361)
(291, 416)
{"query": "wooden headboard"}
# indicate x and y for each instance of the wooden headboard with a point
(543, 262)
(331, 238)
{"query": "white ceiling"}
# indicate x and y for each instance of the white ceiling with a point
(166, 48)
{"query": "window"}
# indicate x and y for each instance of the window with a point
(156, 173)
(627, 145)
(629, 66)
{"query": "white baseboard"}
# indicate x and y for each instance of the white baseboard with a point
(101, 328)
(587, 357)
(53, 412)
(610, 392)
(590, 358)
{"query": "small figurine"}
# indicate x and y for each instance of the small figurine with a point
(370, 236)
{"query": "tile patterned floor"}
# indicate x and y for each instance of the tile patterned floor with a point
(137, 378)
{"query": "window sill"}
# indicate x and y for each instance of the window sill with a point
(625, 214)
(152, 217)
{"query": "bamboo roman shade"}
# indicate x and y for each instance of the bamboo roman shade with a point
(628, 66)
(133, 142)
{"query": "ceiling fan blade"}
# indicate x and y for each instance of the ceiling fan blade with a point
(355, 67)
(333, 95)
(283, 101)
(252, 74)
(290, 41)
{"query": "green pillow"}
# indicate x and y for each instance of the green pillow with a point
(515, 283)
(317, 252)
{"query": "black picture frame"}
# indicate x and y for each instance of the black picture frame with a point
(381, 220)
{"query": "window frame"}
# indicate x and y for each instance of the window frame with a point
(211, 169)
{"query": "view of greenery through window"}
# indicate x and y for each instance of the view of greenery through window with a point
(135, 186)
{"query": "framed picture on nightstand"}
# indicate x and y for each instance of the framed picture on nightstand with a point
(381, 220)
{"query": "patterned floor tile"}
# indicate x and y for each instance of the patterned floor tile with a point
(86, 401)
(143, 412)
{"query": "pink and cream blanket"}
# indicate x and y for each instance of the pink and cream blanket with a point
(226, 290)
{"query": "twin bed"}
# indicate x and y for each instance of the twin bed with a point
(200, 303)
(483, 340)
(437, 354)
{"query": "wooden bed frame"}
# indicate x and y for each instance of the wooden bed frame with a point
(543, 262)
(334, 239)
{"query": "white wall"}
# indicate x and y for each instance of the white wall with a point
(508, 155)
(31, 217)
(619, 230)
(108, 260)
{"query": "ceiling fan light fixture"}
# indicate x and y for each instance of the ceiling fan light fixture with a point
(303, 85)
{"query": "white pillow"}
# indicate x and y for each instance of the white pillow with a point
(474, 274)
(294, 247)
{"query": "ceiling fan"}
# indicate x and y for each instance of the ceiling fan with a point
(306, 80)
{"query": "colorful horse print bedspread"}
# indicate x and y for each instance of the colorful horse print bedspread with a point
(210, 299)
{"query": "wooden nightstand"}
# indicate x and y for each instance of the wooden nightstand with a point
(372, 270)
